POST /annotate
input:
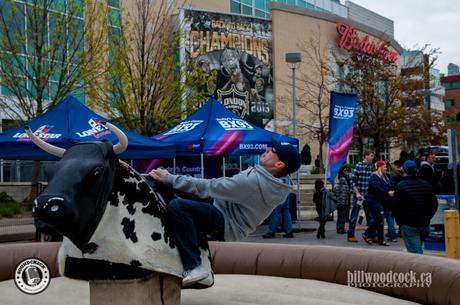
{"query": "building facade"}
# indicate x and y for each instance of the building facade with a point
(299, 22)
(452, 101)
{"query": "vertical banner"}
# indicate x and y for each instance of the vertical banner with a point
(341, 119)
(235, 54)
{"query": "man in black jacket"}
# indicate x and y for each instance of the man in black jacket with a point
(414, 206)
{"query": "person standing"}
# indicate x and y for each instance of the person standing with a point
(427, 171)
(342, 193)
(377, 197)
(281, 215)
(395, 177)
(317, 162)
(359, 182)
(413, 207)
(325, 204)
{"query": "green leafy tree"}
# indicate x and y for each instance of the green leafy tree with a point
(44, 55)
(147, 82)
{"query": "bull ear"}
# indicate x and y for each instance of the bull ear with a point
(51, 149)
(122, 139)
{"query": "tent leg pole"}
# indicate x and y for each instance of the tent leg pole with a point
(202, 166)
(223, 166)
(299, 221)
(174, 165)
(241, 165)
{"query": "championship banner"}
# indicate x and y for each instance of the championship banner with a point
(234, 52)
(342, 109)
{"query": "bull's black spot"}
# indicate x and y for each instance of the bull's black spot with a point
(135, 263)
(90, 248)
(156, 236)
(128, 229)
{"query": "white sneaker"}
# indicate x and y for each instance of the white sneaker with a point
(207, 281)
(195, 275)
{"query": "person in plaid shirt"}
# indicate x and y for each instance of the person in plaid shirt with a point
(359, 183)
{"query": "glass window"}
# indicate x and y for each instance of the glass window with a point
(260, 4)
(451, 119)
(113, 3)
(450, 103)
(247, 10)
(114, 17)
(247, 2)
(290, 2)
(235, 7)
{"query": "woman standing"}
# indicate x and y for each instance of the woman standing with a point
(342, 193)
(376, 198)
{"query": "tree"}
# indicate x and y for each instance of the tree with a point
(147, 81)
(314, 86)
(44, 55)
(378, 87)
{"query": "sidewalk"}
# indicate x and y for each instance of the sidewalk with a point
(332, 238)
(17, 229)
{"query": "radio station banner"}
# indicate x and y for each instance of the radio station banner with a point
(235, 54)
(342, 110)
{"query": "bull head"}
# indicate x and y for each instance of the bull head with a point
(79, 185)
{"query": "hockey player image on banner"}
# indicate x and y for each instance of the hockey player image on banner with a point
(234, 53)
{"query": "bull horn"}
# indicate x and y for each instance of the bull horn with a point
(122, 139)
(49, 148)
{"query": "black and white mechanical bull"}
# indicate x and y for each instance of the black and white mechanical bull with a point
(114, 224)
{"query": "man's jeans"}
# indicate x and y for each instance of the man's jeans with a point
(413, 237)
(188, 220)
(281, 215)
(392, 234)
(353, 217)
(341, 216)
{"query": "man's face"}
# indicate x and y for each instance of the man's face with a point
(369, 158)
(395, 168)
(431, 158)
(269, 159)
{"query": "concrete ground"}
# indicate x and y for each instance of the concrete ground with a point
(229, 289)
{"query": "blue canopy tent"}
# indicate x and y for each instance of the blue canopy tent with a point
(213, 130)
(68, 123)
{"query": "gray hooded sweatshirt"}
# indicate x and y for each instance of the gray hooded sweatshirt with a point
(245, 200)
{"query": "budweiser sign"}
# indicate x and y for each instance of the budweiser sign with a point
(350, 40)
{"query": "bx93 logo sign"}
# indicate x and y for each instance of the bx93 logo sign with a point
(234, 124)
(185, 127)
(343, 112)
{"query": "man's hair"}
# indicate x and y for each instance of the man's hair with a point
(367, 153)
(411, 171)
(397, 163)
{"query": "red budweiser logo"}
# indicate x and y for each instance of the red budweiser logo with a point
(350, 40)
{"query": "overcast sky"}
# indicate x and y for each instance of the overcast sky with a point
(420, 22)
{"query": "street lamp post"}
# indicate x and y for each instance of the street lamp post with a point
(293, 60)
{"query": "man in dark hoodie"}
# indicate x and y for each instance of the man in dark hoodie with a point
(413, 207)
(240, 203)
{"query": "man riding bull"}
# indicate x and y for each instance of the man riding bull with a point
(240, 203)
